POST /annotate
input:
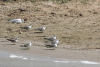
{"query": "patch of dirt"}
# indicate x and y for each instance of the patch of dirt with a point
(75, 24)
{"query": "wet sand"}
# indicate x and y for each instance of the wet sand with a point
(91, 54)
(14, 55)
(11, 59)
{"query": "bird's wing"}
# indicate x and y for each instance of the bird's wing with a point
(25, 27)
(25, 45)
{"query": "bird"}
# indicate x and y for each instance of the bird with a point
(54, 42)
(52, 38)
(41, 28)
(52, 46)
(27, 27)
(17, 20)
(13, 40)
(27, 45)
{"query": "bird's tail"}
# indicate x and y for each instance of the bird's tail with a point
(48, 46)
(47, 42)
(21, 27)
(9, 39)
(27, 48)
(46, 38)
(8, 19)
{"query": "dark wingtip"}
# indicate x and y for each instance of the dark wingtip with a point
(45, 38)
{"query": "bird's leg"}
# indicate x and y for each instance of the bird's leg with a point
(14, 43)
(54, 48)
(28, 30)
(27, 48)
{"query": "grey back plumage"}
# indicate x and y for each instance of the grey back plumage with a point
(52, 46)
(41, 28)
(55, 42)
(13, 40)
(17, 21)
(52, 38)
(27, 27)
(28, 44)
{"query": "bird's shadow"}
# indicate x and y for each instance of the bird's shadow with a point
(24, 48)
(40, 36)
(49, 49)
(9, 44)
(38, 32)
(21, 45)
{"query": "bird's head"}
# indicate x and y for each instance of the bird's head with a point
(30, 43)
(44, 28)
(57, 40)
(16, 38)
(22, 20)
(30, 25)
(55, 35)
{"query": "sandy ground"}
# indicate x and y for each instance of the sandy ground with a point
(76, 24)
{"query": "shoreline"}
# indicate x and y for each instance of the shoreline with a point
(90, 55)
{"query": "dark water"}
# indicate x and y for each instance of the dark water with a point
(25, 60)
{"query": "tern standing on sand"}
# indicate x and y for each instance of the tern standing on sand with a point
(52, 38)
(28, 45)
(53, 44)
(13, 40)
(27, 27)
(56, 41)
(41, 28)
(17, 20)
